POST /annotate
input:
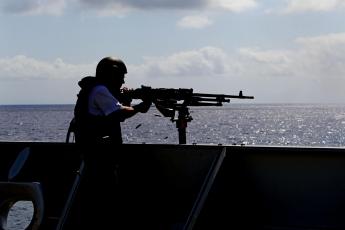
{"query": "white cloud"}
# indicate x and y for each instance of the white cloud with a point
(323, 40)
(318, 57)
(233, 5)
(206, 61)
(196, 22)
(119, 7)
(265, 63)
(143, 4)
(323, 56)
(315, 68)
(313, 5)
(34, 7)
(21, 67)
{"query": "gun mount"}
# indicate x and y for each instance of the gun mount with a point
(168, 101)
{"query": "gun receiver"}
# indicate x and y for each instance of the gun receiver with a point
(170, 100)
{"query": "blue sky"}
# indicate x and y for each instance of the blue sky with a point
(288, 51)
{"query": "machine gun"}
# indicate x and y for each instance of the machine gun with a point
(168, 101)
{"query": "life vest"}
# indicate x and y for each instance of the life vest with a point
(89, 128)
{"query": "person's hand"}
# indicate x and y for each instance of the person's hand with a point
(147, 101)
(143, 107)
(124, 97)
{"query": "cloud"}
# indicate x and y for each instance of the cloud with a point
(119, 7)
(324, 40)
(233, 5)
(265, 63)
(196, 22)
(21, 67)
(323, 55)
(317, 57)
(313, 5)
(125, 5)
(315, 67)
(313, 71)
(144, 4)
(33, 7)
(203, 62)
(111, 7)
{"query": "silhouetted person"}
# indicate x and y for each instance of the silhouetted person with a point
(98, 112)
(99, 108)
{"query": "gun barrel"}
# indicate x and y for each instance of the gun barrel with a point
(198, 103)
(214, 99)
(240, 96)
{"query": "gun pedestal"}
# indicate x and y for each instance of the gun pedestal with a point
(181, 123)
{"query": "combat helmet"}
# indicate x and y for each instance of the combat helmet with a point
(110, 66)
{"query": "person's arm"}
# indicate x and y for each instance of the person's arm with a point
(129, 111)
(104, 101)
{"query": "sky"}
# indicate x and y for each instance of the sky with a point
(279, 51)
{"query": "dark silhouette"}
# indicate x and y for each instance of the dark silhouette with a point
(100, 107)
(99, 110)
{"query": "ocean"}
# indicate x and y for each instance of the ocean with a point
(249, 124)
(318, 125)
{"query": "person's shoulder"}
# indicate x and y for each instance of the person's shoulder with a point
(100, 89)
(87, 82)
